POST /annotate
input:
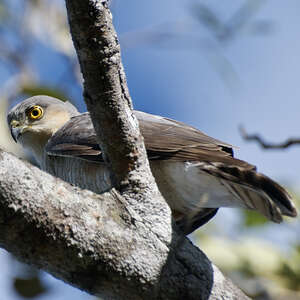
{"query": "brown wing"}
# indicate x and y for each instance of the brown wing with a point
(170, 140)
(173, 140)
(77, 138)
(164, 139)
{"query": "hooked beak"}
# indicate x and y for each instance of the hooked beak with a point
(15, 133)
(16, 130)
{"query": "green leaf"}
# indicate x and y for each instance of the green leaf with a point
(252, 218)
(290, 276)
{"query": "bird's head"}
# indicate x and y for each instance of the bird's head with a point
(33, 121)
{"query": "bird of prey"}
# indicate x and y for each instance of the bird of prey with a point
(195, 173)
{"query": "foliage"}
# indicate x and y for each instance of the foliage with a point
(252, 218)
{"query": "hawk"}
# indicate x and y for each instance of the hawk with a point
(195, 173)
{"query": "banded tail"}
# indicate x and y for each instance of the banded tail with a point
(255, 190)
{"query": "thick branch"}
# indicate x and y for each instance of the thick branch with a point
(106, 93)
(257, 138)
(97, 243)
(109, 103)
(117, 247)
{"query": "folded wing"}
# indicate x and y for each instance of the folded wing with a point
(172, 141)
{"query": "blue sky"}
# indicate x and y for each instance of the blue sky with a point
(183, 84)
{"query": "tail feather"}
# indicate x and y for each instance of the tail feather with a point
(256, 191)
(257, 200)
(278, 194)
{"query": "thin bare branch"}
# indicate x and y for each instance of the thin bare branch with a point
(257, 138)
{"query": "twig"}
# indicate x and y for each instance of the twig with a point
(256, 137)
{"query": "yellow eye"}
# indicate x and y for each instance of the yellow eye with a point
(35, 113)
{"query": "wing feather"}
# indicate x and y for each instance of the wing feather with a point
(77, 138)
(170, 140)
(165, 139)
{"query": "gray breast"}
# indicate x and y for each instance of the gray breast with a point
(85, 174)
(185, 186)
(95, 176)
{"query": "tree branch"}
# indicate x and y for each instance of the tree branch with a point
(96, 242)
(257, 138)
(106, 92)
(118, 246)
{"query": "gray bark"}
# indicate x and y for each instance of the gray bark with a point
(106, 93)
(118, 245)
(99, 243)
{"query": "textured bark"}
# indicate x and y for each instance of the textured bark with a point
(108, 101)
(97, 242)
(118, 245)
(106, 93)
